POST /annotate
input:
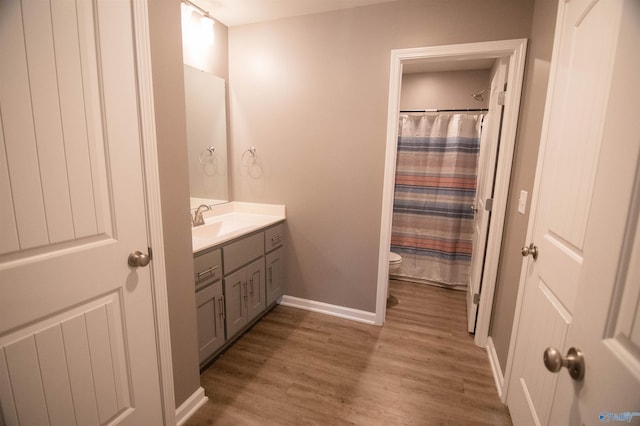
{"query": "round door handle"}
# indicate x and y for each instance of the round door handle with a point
(574, 361)
(531, 250)
(474, 209)
(137, 258)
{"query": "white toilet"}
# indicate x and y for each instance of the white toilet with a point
(394, 267)
(394, 263)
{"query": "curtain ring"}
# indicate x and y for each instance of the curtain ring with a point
(206, 155)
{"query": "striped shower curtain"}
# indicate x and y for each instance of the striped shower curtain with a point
(434, 189)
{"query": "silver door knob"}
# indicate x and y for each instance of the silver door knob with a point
(137, 258)
(531, 250)
(474, 209)
(574, 361)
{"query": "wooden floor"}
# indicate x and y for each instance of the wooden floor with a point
(296, 367)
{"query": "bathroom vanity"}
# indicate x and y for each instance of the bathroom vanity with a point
(238, 271)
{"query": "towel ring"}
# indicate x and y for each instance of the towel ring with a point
(251, 151)
(206, 155)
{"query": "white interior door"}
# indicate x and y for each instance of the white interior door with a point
(77, 334)
(582, 291)
(606, 320)
(487, 159)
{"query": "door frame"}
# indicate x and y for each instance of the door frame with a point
(153, 207)
(535, 194)
(515, 51)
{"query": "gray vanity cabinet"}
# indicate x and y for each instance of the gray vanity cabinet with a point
(235, 284)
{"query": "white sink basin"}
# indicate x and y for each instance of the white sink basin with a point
(215, 230)
(224, 227)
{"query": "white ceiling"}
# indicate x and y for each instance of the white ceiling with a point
(240, 12)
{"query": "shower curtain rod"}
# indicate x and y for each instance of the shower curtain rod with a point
(446, 110)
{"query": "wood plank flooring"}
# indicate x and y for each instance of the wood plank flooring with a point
(297, 367)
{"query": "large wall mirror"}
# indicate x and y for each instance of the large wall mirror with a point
(206, 137)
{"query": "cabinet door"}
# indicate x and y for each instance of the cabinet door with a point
(235, 301)
(210, 314)
(255, 289)
(275, 275)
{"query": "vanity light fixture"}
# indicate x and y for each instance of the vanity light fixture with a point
(206, 31)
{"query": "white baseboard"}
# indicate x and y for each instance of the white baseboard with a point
(327, 309)
(495, 368)
(190, 406)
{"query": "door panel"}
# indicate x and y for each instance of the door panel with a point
(574, 135)
(544, 323)
(77, 333)
(46, 87)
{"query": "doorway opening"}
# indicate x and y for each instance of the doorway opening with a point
(442, 117)
(448, 58)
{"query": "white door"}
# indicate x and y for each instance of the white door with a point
(486, 175)
(77, 334)
(582, 291)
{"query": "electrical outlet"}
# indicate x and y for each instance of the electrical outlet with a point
(522, 202)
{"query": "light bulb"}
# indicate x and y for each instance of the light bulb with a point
(207, 30)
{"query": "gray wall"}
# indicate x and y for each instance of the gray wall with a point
(444, 89)
(311, 94)
(171, 133)
(529, 129)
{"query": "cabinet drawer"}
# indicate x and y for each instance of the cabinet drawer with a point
(242, 252)
(273, 237)
(207, 267)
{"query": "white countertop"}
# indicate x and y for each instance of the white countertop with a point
(227, 221)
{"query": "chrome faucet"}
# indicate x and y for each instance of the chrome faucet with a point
(197, 218)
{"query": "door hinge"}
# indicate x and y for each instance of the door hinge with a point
(501, 97)
(488, 205)
(150, 253)
(476, 298)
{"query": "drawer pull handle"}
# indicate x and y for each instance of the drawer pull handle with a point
(276, 239)
(206, 271)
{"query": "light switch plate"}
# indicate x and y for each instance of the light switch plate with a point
(522, 202)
